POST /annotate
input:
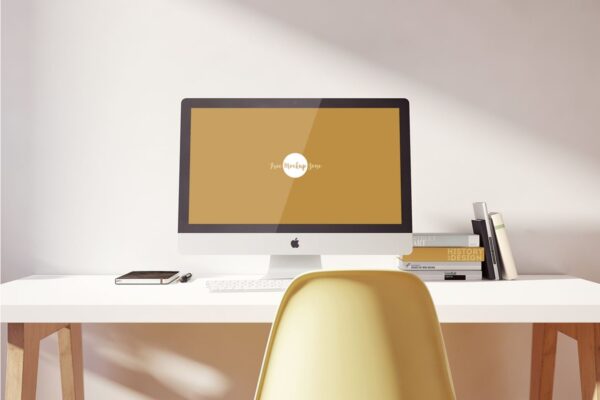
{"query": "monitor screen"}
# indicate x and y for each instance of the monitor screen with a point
(293, 166)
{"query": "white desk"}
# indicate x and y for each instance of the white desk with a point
(95, 298)
(553, 303)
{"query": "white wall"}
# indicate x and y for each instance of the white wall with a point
(503, 105)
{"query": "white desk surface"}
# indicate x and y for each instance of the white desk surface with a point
(95, 298)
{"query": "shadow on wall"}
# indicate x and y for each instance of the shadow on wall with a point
(178, 361)
(503, 366)
(526, 62)
(222, 361)
(557, 251)
(492, 361)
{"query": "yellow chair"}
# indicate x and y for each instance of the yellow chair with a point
(345, 335)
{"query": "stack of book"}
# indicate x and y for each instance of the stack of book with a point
(445, 256)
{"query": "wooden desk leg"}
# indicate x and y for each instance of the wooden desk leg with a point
(543, 356)
(71, 362)
(588, 348)
(22, 362)
(23, 355)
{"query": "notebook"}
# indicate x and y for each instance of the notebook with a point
(147, 278)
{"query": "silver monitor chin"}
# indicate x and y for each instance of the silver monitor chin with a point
(293, 254)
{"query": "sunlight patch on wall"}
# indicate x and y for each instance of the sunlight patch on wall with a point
(187, 378)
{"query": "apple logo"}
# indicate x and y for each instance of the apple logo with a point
(295, 243)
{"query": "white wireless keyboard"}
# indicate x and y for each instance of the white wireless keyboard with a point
(247, 285)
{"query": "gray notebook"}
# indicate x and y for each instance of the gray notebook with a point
(147, 278)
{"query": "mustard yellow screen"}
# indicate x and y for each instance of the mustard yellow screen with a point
(295, 166)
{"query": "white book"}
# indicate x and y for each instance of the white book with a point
(481, 212)
(441, 266)
(509, 269)
(448, 275)
(445, 240)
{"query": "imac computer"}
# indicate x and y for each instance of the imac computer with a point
(295, 179)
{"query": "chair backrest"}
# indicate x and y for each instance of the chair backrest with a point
(355, 335)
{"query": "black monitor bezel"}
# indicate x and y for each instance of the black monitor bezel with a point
(184, 167)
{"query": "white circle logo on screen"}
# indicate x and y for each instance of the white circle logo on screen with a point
(295, 165)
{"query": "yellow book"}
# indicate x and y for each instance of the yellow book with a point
(445, 254)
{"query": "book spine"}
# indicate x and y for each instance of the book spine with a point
(138, 281)
(441, 266)
(448, 275)
(445, 240)
(509, 269)
(445, 254)
(479, 228)
(481, 212)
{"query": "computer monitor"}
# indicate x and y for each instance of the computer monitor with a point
(295, 179)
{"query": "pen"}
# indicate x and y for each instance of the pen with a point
(185, 277)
